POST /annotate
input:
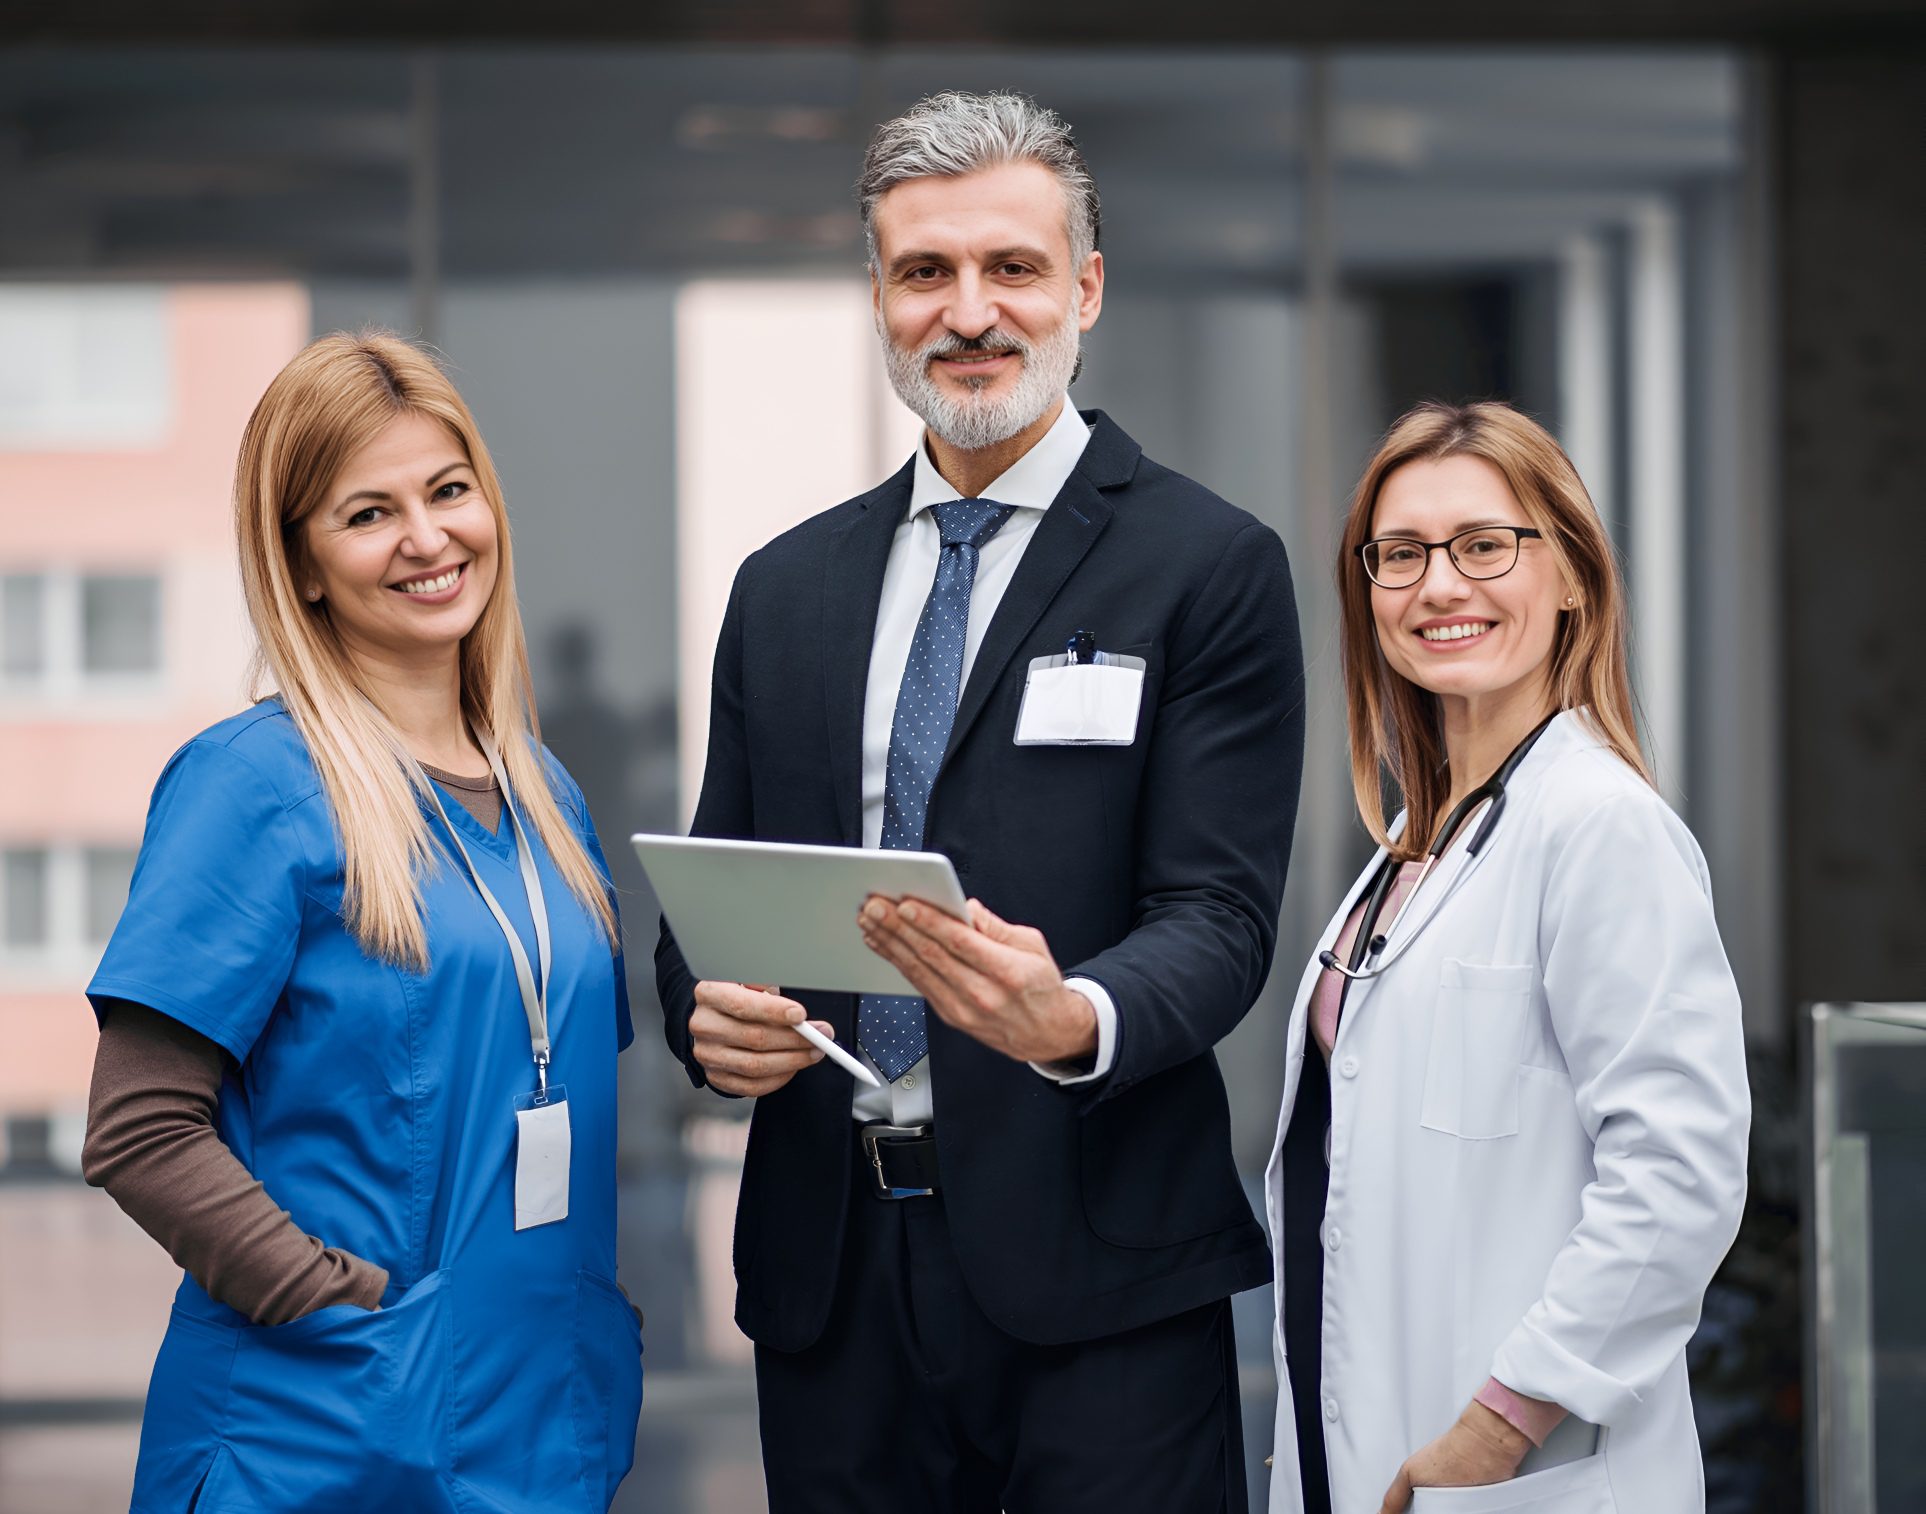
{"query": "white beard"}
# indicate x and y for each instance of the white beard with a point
(972, 422)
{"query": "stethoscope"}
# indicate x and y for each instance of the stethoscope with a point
(1370, 942)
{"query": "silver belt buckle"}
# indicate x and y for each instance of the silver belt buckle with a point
(872, 1134)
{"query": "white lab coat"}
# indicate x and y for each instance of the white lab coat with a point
(1538, 1146)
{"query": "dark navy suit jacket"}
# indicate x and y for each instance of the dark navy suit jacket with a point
(1155, 869)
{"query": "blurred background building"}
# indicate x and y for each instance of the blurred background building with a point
(1689, 237)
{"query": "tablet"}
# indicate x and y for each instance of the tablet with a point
(770, 912)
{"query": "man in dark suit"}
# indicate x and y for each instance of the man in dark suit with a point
(1001, 1280)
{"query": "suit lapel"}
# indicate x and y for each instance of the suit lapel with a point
(852, 592)
(1069, 528)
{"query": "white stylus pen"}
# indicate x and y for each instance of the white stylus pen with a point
(836, 1054)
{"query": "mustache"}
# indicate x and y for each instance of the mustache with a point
(993, 342)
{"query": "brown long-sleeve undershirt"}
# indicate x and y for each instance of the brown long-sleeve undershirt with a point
(152, 1144)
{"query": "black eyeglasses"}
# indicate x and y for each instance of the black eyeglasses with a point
(1398, 562)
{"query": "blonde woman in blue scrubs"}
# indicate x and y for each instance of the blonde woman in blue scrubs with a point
(360, 1017)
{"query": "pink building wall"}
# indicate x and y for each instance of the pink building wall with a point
(80, 770)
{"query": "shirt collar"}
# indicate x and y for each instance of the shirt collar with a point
(1030, 483)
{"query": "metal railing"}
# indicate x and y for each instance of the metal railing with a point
(1865, 1257)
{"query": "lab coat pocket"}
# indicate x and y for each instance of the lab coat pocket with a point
(343, 1408)
(1578, 1487)
(1477, 1042)
(607, 1386)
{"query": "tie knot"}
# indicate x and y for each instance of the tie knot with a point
(970, 522)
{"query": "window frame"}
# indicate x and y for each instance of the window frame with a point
(63, 680)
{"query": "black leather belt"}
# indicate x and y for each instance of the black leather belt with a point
(900, 1159)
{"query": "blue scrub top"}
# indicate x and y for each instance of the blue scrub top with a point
(377, 1106)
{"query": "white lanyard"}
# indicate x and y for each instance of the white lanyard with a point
(534, 998)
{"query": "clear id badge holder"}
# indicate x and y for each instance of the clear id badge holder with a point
(541, 1157)
(1081, 697)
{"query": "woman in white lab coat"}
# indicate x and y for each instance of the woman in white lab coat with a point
(1512, 1147)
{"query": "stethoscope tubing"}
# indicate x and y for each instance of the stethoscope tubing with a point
(1370, 941)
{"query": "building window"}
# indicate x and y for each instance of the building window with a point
(23, 625)
(85, 367)
(24, 880)
(59, 903)
(120, 623)
(108, 874)
(66, 635)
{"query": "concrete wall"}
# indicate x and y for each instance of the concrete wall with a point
(1853, 439)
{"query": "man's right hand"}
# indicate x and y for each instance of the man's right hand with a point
(743, 1037)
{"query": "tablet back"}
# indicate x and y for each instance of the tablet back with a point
(772, 913)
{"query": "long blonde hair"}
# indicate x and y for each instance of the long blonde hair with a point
(333, 399)
(1395, 726)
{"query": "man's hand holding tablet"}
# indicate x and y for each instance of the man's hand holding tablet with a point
(990, 979)
(761, 909)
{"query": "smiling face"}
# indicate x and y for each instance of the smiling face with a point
(977, 301)
(1479, 642)
(402, 552)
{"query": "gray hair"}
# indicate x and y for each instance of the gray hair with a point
(951, 134)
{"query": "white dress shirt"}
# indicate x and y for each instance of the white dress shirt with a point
(1029, 484)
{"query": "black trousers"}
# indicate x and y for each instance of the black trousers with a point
(1307, 1182)
(913, 1402)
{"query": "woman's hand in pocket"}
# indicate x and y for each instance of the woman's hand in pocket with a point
(1482, 1447)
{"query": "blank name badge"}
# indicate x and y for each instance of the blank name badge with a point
(1069, 703)
(541, 1158)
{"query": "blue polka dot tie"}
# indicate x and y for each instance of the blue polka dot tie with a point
(889, 1027)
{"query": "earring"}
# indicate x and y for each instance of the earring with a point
(1571, 602)
(314, 595)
